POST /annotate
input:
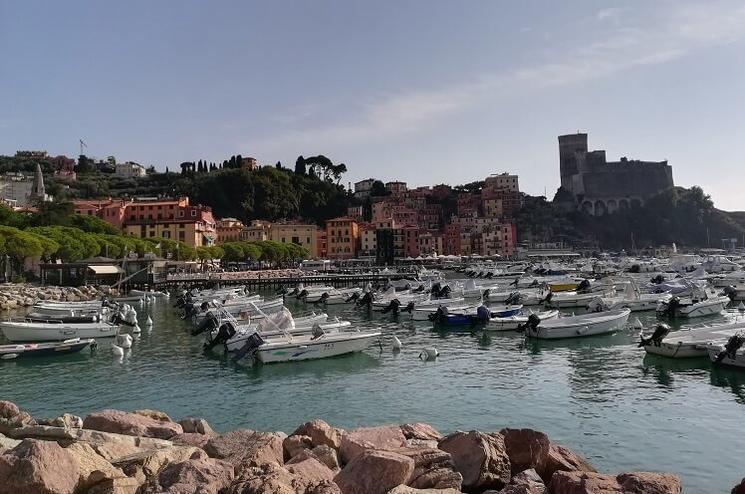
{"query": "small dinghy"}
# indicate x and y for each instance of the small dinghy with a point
(10, 352)
(590, 324)
(482, 315)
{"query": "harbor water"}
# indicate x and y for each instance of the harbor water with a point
(600, 396)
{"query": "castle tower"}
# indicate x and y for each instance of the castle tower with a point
(38, 193)
(572, 148)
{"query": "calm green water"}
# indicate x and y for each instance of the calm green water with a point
(600, 396)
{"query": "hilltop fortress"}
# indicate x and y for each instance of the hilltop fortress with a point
(600, 186)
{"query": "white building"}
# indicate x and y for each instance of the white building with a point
(503, 181)
(363, 188)
(130, 169)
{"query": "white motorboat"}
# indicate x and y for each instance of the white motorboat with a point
(512, 323)
(563, 300)
(236, 342)
(306, 347)
(692, 307)
(56, 331)
(589, 324)
(689, 342)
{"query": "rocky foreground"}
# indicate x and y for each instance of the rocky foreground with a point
(15, 295)
(145, 452)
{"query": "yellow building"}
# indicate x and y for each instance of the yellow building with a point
(343, 238)
(256, 231)
(170, 219)
(296, 233)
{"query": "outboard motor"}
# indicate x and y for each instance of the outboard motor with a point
(513, 299)
(730, 291)
(584, 286)
(547, 299)
(445, 292)
(366, 300)
(660, 333)
(392, 307)
(733, 344)
(209, 324)
(250, 348)
(324, 297)
(670, 307)
(490, 274)
(409, 307)
(531, 326)
(485, 294)
(657, 279)
(353, 298)
(482, 314)
(303, 295)
(435, 290)
(226, 331)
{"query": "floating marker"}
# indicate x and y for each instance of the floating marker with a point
(637, 324)
(396, 344)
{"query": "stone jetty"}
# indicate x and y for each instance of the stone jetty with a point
(19, 295)
(147, 452)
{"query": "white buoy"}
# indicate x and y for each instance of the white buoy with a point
(396, 344)
(117, 350)
(741, 307)
(637, 323)
(141, 301)
(136, 329)
(149, 321)
(429, 354)
(124, 340)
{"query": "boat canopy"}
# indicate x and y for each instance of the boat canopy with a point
(106, 269)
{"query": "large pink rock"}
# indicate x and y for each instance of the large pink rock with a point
(196, 425)
(528, 448)
(311, 472)
(322, 453)
(577, 482)
(197, 476)
(433, 469)
(38, 467)
(133, 424)
(525, 482)
(274, 479)
(374, 472)
(293, 445)
(191, 439)
(355, 442)
(421, 432)
(480, 458)
(12, 417)
(320, 433)
(246, 448)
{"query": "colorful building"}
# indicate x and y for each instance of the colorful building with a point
(256, 231)
(296, 233)
(343, 238)
(229, 230)
(170, 219)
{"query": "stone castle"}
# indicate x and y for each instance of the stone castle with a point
(601, 187)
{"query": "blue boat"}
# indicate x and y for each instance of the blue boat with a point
(23, 350)
(483, 315)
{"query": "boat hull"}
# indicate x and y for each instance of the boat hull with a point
(12, 352)
(580, 326)
(289, 352)
(20, 331)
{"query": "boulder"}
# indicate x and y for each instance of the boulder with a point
(246, 448)
(525, 482)
(326, 455)
(11, 417)
(310, 472)
(292, 445)
(578, 482)
(358, 440)
(66, 420)
(480, 458)
(107, 444)
(92, 467)
(38, 467)
(154, 414)
(374, 472)
(274, 479)
(7, 443)
(528, 448)
(419, 431)
(196, 425)
(433, 469)
(123, 485)
(196, 476)
(405, 489)
(149, 463)
(320, 433)
(133, 424)
(191, 439)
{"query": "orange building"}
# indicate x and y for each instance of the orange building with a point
(343, 238)
(229, 230)
(170, 219)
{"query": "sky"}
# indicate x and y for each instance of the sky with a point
(422, 91)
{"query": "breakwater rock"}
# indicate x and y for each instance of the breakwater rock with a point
(147, 452)
(19, 295)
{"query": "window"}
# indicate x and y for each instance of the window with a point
(193, 213)
(181, 236)
(166, 234)
(180, 214)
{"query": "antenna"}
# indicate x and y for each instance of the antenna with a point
(82, 145)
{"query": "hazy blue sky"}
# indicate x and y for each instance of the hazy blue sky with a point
(424, 91)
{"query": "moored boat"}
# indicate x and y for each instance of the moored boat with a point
(17, 331)
(512, 323)
(25, 350)
(687, 343)
(589, 324)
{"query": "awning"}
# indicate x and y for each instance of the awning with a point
(105, 269)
